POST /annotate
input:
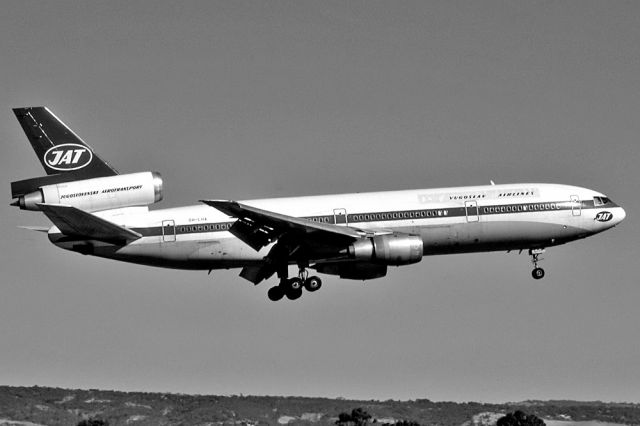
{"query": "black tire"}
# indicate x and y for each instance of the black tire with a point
(537, 273)
(294, 294)
(313, 284)
(275, 293)
(294, 284)
(293, 290)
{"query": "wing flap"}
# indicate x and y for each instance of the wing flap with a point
(74, 222)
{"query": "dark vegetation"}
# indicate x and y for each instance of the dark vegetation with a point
(358, 417)
(519, 418)
(55, 406)
(93, 422)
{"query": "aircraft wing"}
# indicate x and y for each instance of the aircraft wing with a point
(258, 227)
(74, 222)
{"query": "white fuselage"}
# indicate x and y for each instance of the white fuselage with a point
(449, 220)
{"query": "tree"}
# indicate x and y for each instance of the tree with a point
(343, 419)
(519, 418)
(358, 417)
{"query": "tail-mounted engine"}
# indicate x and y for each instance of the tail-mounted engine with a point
(392, 249)
(104, 193)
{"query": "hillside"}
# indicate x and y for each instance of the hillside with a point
(55, 406)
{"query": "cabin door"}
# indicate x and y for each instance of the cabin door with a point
(471, 209)
(340, 217)
(576, 206)
(168, 231)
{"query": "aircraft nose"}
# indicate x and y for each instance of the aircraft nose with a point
(621, 215)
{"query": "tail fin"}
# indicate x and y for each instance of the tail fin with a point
(59, 149)
(64, 156)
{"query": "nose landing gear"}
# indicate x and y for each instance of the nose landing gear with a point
(537, 273)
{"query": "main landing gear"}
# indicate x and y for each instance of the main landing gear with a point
(537, 272)
(292, 287)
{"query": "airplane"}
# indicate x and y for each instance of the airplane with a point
(97, 211)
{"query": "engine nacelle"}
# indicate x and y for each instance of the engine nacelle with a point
(104, 193)
(392, 249)
(353, 270)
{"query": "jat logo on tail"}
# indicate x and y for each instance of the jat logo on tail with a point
(67, 157)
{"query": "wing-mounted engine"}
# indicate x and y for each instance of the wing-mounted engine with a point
(370, 257)
(103, 193)
(353, 270)
(391, 249)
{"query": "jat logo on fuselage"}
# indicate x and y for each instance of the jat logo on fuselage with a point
(604, 217)
(68, 156)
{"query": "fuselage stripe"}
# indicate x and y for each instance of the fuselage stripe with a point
(395, 215)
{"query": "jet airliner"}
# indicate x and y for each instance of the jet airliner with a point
(97, 211)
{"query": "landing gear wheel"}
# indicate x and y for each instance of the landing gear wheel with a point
(293, 289)
(294, 284)
(312, 284)
(275, 293)
(294, 294)
(537, 273)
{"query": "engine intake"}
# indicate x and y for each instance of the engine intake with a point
(393, 249)
(104, 193)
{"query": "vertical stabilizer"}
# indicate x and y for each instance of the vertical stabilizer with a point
(58, 148)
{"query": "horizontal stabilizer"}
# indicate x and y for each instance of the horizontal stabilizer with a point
(35, 228)
(74, 222)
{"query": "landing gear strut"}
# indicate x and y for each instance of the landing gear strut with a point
(292, 287)
(537, 272)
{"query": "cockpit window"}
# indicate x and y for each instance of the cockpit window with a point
(600, 201)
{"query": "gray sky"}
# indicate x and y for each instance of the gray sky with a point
(259, 99)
